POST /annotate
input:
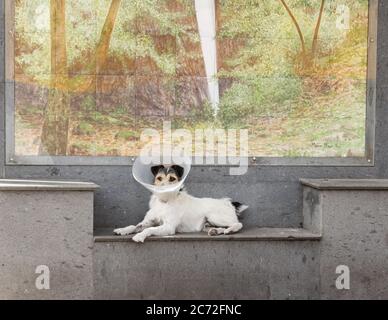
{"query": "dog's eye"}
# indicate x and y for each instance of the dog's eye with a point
(172, 179)
(160, 179)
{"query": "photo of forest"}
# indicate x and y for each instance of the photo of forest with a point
(90, 75)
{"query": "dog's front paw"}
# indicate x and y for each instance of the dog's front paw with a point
(124, 231)
(139, 238)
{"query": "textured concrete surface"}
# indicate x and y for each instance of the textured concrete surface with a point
(355, 234)
(207, 270)
(312, 210)
(46, 228)
(2, 93)
(354, 227)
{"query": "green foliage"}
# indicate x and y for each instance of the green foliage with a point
(88, 104)
(251, 98)
(84, 23)
(80, 148)
(266, 70)
(205, 114)
(126, 135)
(85, 129)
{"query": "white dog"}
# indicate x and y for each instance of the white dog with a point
(180, 212)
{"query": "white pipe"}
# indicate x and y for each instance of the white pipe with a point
(206, 19)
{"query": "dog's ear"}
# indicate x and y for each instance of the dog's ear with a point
(156, 169)
(179, 170)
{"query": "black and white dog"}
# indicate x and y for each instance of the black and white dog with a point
(179, 212)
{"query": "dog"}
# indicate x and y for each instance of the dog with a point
(182, 213)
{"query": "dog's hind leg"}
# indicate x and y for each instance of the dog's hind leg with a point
(215, 231)
(234, 228)
(212, 231)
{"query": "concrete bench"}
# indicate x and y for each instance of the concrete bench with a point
(46, 223)
(256, 263)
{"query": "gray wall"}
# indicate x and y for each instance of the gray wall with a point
(273, 193)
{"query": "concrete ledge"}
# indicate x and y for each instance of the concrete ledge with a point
(346, 184)
(36, 185)
(251, 234)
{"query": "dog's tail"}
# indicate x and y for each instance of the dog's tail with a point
(240, 208)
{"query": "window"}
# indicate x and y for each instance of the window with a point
(86, 78)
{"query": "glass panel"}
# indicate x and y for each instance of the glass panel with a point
(91, 75)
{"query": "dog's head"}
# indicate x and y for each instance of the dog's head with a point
(167, 175)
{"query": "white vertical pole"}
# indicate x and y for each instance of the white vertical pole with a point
(206, 19)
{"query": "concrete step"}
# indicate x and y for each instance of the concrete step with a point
(249, 234)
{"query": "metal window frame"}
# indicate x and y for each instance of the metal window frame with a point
(367, 160)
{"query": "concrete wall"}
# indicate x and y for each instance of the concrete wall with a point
(2, 92)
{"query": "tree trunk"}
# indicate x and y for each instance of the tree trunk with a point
(81, 84)
(316, 32)
(295, 22)
(307, 61)
(56, 121)
(106, 35)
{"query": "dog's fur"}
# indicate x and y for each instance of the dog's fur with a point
(180, 212)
